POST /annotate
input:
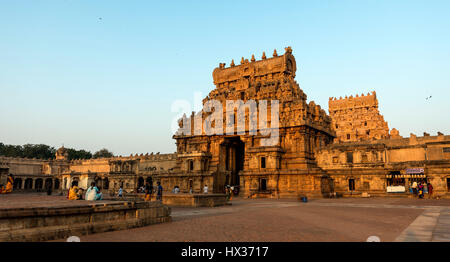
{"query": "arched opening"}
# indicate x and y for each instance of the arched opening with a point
(98, 182)
(149, 180)
(38, 184)
(105, 183)
(17, 183)
(48, 183)
(74, 181)
(28, 183)
(56, 183)
(140, 182)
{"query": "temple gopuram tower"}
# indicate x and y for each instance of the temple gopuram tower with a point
(357, 118)
(284, 168)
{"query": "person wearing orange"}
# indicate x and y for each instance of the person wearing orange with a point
(73, 192)
(148, 191)
(9, 185)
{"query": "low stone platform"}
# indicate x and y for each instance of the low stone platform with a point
(185, 200)
(41, 218)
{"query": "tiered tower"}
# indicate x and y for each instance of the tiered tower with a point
(357, 118)
(285, 167)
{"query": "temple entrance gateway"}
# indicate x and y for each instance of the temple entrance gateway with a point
(232, 156)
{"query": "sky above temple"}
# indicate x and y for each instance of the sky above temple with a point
(94, 74)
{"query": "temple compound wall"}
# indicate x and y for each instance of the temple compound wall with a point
(108, 173)
(388, 166)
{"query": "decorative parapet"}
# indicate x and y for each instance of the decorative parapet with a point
(265, 68)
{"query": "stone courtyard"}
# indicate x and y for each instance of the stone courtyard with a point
(322, 220)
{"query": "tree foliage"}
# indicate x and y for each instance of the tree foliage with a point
(103, 153)
(42, 151)
(78, 154)
(28, 151)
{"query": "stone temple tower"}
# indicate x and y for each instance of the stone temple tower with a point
(285, 168)
(357, 118)
(62, 154)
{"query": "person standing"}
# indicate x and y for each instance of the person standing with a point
(148, 191)
(420, 186)
(430, 190)
(120, 192)
(9, 184)
(159, 192)
(205, 189)
(414, 188)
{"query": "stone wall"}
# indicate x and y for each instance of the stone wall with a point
(371, 164)
(42, 224)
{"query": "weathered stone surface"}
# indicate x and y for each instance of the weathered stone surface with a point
(357, 118)
(47, 223)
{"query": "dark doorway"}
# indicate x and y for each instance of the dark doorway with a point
(232, 154)
(56, 183)
(351, 184)
(98, 182)
(263, 184)
(105, 183)
(38, 184)
(149, 180)
(48, 183)
(17, 183)
(28, 183)
(140, 182)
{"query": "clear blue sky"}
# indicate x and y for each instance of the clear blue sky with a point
(67, 76)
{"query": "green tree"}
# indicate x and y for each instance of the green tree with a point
(40, 151)
(11, 150)
(103, 153)
(78, 154)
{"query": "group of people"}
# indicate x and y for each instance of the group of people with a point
(92, 193)
(148, 190)
(419, 189)
(9, 185)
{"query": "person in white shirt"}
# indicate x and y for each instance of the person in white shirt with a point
(414, 187)
(205, 189)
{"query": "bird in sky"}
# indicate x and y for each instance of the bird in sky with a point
(428, 97)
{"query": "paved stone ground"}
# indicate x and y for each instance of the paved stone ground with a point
(344, 219)
(348, 219)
